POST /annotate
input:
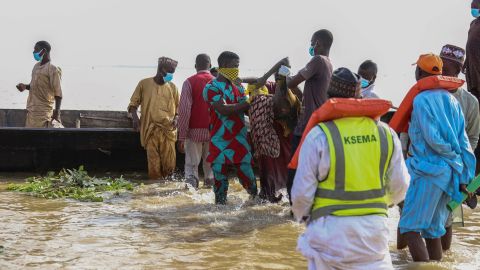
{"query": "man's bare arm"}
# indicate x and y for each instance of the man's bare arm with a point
(229, 109)
(294, 81)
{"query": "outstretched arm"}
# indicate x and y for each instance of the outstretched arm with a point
(261, 81)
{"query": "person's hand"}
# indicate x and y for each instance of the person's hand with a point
(56, 115)
(284, 62)
(181, 147)
(463, 188)
(136, 123)
(21, 87)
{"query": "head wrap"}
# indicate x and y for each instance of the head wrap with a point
(430, 63)
(453, 53)
(166, 62)
(344, 84)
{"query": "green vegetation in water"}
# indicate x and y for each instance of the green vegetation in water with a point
(73, 184)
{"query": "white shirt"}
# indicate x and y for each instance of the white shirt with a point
(369, 93)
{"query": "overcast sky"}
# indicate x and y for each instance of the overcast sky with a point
(113, 32)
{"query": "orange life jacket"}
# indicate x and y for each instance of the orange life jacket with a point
(402, 116)
(336, 108)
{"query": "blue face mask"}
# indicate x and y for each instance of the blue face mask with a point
(37, 56)
(311, 51)
(475, 12)
(168, 77)
(365, 83)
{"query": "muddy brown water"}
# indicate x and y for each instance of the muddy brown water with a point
(164, 226)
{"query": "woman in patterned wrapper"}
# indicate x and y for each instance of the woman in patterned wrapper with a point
(273, 117)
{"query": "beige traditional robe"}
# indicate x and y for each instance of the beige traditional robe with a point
(44, 87)
(158, 107)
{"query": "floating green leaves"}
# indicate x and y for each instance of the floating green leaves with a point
(73, 184)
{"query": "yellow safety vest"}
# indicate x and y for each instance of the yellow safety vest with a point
(360, 153)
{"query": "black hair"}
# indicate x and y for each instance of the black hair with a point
(369, 65)
(225, 57)
(324, 37)
(202, 61)
(44, 45)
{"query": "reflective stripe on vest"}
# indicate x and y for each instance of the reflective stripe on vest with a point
(339, 199)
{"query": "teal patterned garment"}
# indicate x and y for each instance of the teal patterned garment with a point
(228, 134)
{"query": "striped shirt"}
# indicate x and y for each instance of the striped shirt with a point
(184, 112)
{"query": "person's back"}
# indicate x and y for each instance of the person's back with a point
(350, 170)
(440, 162)
(199, 117)
(470, 108)
(442, 112)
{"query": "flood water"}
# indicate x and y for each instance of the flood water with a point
(164, 226)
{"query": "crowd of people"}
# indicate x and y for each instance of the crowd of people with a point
(351, 168)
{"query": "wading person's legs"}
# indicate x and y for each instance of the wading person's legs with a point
(291, 173)
(168, 156)
(207, 167)
(417, 247)
(193, 155)
(247, 178)
(220, 188)
(153, 157)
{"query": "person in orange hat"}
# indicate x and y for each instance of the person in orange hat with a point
(440, 162)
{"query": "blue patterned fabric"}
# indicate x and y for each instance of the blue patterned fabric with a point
(440, 160)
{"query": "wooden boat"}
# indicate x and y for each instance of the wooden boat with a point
(99, 140)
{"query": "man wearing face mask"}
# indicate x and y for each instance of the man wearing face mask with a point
(316, 75)
(368, 71)
(472, 63)
(159, 99)
(45, 89)
(228, 144)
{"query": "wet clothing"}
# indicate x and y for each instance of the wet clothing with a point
(317, 74)
(425, 210)
(369, 92)
(44, 87)
(470, 109)
(440, 159)
(158, 106)
(194, 153)
(229, 143)
(472, 62)
(161, 154)
(331, 242)
(228, 133)
(244, 172)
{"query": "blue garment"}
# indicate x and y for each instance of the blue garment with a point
(424, 210)
(440, 160)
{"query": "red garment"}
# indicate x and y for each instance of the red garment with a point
(199, 116)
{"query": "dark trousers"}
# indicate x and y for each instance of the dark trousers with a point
(291, 173)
